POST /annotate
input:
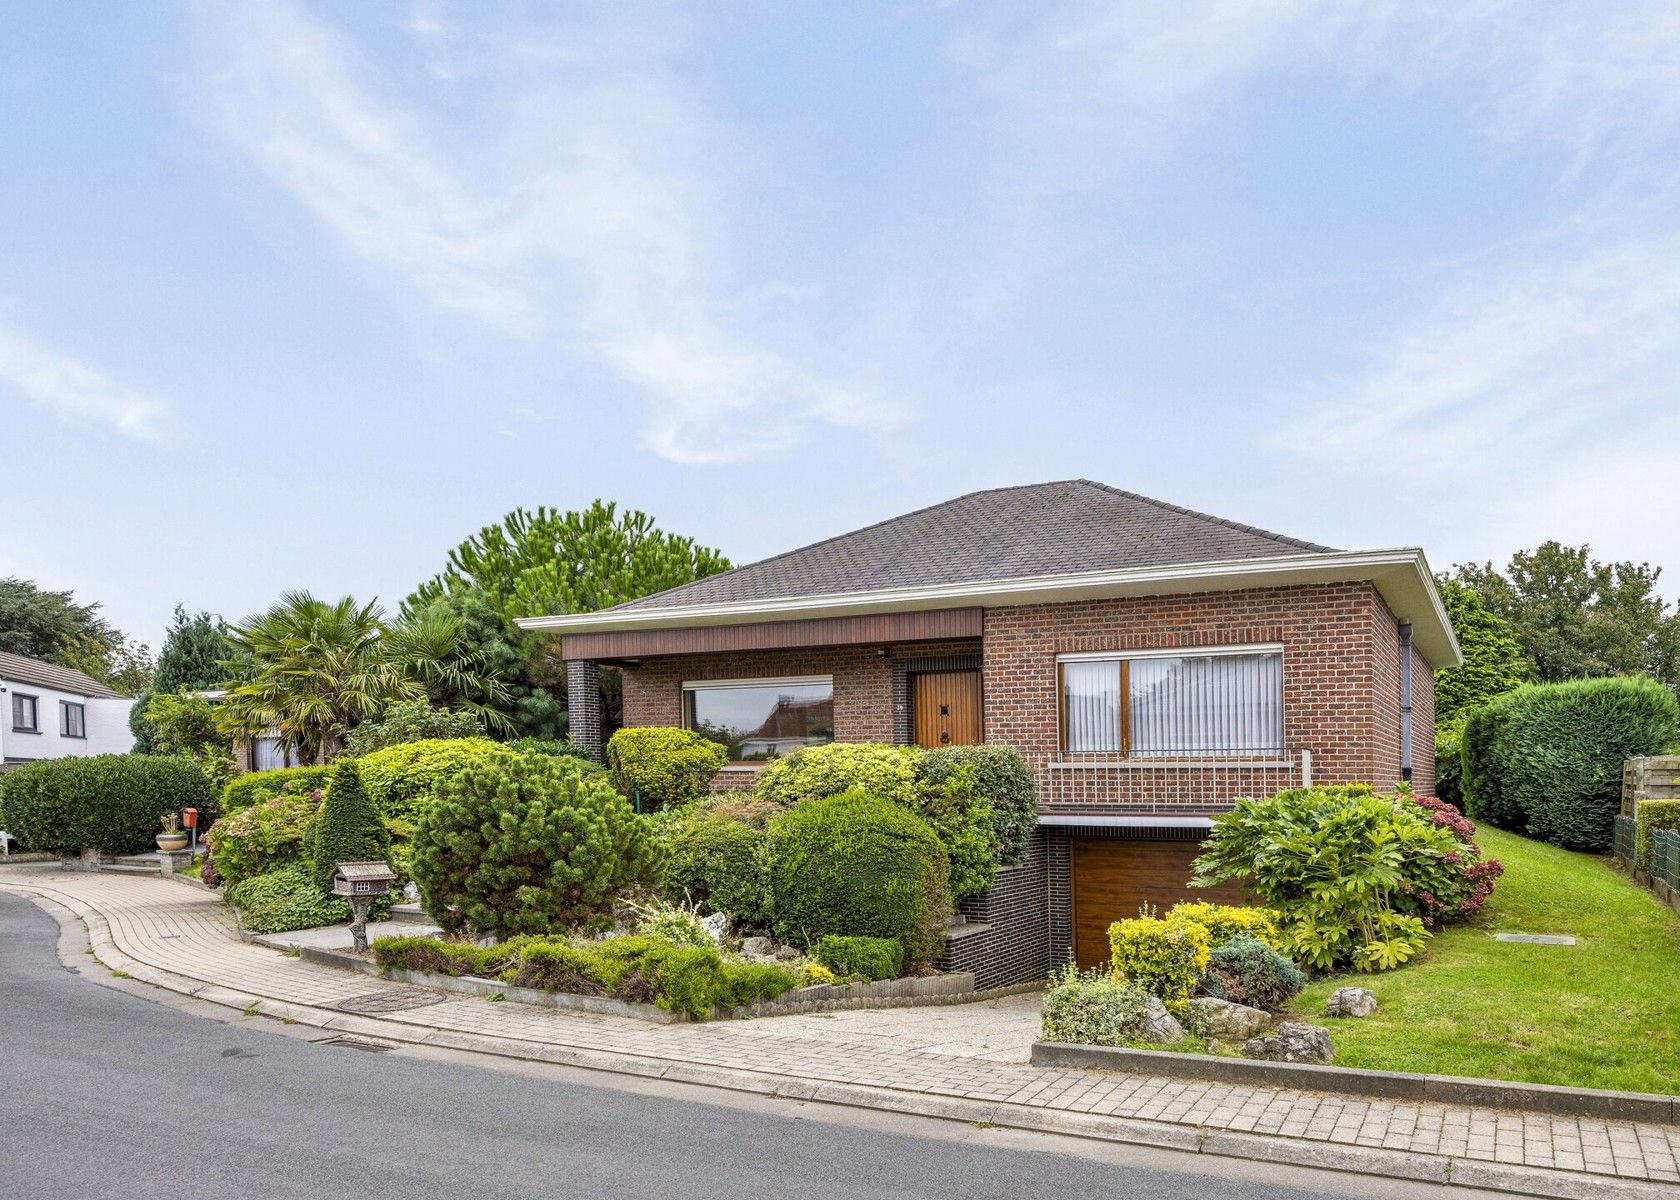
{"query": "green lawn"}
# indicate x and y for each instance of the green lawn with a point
(1604, 1013)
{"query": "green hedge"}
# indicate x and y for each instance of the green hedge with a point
(400, 779)
(112, 803)
(858, 864)
(1652, 815)
(861, 957)
(253, 787)
(818, 771)
(661, 767)
(1001, 778)
(1547, 758)
(285, 899)
(716, 861)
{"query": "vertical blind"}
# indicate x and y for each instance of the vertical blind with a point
(1190, 705)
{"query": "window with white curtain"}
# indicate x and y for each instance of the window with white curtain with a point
(1174, 706)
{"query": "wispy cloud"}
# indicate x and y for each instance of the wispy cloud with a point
(588, 208)
(75, 392)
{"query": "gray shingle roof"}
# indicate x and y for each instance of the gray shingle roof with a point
(1058, 528)
(16, 668)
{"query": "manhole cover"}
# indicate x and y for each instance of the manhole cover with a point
(391, 1000)
(1536, 939)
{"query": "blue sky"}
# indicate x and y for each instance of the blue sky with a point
(300, 295)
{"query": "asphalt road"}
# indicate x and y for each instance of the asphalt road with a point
(118, 1090)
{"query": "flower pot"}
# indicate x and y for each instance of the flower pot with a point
(172, 841)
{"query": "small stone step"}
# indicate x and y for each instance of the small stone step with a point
(409, 914)
(129, 869)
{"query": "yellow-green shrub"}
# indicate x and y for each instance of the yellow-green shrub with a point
(1164, 956)
(1226, 921)
(660, 767)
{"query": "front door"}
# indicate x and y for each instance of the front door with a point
(946, 708)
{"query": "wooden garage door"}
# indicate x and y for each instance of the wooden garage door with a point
(1112, 880)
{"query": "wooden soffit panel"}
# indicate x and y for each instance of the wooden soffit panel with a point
(875, 629)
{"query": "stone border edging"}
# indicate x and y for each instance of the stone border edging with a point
(955, 988)
(1356, 1081)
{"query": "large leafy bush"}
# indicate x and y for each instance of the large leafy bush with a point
(518, 843)
(113, 803)
(1093, 1009)
(410, 721)
(963, 821)
(1547, 759)
(263, 837)
(1003, 780)
(811, 773)
(1457, 884)
(285, 898)
(858, 864)
(716, 860)
(663, 767)
(348, 827)
(1337, 865)
(253, 787)
(399, 779)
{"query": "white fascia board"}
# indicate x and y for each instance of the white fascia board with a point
(1401, 575)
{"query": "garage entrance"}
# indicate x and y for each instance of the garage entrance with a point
(1112, 879)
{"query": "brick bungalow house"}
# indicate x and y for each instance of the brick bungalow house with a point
(1150, 662)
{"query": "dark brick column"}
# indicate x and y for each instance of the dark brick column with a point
(583, 705)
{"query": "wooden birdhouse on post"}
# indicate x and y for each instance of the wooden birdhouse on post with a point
(361, 883)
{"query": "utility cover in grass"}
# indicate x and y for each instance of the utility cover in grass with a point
(1536, 939)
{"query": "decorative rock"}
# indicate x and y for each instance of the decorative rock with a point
(1221, 1018)
(716, 926)
(1159, 1025)
(1351, 1002)
(756, 947)
(787, 953)
(1292, 1041)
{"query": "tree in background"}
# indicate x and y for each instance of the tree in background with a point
(1493, 659)
(53, 627)
(1575, 617)
(188, 724)
(528, 679)
(197, 655)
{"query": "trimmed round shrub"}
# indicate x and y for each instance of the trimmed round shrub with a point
(717, 862)
(399, 779)
(263, 837)
(861, 957)
(1245, 970)
(348, 827)
(253, 787)
(1001, 778)
(112, 803)
(858, 864)
(1547, 758)
(814, 772)
(662, 767)
(285, 899)
(1164, 957)
(520, 844)
(1092, 1009)
(962, 819)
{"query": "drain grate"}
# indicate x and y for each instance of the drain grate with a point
(391, 1000)
(355, 1043)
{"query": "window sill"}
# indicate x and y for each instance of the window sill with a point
(23, 729)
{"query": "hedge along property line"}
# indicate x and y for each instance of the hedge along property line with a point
(1355, 1081)
(957, 988)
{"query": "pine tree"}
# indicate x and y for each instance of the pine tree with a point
(347, 828)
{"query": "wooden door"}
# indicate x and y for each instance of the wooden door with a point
(946, 708)
(1111, 880)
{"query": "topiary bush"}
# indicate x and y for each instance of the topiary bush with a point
(1163, 956)
(1245, 970)
(1003, 780)
(717, 861)
(814, 772)
(663, 767)
(521, 844)
(263, 837)
(112, 803)
(347, 828)
(858, 864)
(399, 779)
(1092, 1008)
(253, 787)
(1547, 758)
(1651, 815)
(284, 899)
(861, 957)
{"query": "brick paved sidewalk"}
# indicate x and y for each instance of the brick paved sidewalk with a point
(165, 933)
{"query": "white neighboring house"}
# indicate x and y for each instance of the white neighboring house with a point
(49, 711)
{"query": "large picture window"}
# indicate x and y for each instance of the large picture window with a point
(761, 719)
(1174, 705)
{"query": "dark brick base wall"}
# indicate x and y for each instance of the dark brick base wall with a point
(1015, 946)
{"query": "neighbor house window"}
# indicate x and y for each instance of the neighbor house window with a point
(74, 724)
(759, 719)
(1227, 701)
(267, 754)
(26, 713)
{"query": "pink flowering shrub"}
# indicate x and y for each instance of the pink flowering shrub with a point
(1455, 887)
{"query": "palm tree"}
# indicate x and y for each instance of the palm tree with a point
(317, 669)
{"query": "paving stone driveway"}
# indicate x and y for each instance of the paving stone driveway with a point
(958, 1053)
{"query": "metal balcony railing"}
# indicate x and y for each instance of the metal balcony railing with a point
(1169, 784)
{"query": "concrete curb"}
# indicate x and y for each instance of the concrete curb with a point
(1525, 1181)
(1353, 1081)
